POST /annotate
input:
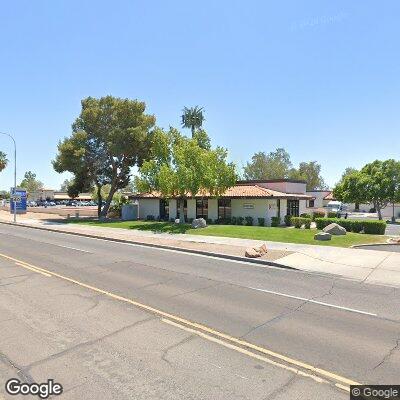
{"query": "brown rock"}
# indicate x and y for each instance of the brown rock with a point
(252, 253)
(262, 249)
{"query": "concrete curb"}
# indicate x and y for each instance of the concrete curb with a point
(159, 246)
(358, 246)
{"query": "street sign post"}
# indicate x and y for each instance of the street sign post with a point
(18, 200)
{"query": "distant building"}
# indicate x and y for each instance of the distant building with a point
(53, 195)
(321, 198)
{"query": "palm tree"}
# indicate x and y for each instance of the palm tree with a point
(192, 118)
(3, 161)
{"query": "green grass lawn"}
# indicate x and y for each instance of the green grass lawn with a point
(288, 235)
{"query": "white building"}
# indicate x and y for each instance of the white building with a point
(321, 198)
(257, 199)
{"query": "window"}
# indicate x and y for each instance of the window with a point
(178, 204)
(311, 203)
(293, 208)
(202, 208)
(164, 209)
(224, 208)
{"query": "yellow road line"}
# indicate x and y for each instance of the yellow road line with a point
(346, 388)
(244, 351)
(314, 370)
(33, 269)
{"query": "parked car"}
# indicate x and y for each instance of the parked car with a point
(334, 206)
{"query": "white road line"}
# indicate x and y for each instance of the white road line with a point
(313, 301)
(71, 248)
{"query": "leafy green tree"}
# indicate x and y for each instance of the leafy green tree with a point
(4, 194)
(377, 183)
(180, 168)
(348, 171)
(3, 161)
(66, 184)
(30, 183)
(202, 139)
(192, 118)
(274, 165)
(110, 136)
(311, 173)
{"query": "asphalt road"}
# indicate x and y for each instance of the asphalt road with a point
(110, 320)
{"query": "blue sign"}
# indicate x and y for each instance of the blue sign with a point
(18, 198)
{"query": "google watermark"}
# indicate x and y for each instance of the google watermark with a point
(43, 390)
(375, 392)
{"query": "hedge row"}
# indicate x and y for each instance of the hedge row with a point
(368, 226)
(298, 222)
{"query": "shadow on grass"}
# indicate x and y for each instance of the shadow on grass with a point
(164, 227)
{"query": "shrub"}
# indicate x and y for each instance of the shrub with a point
(305, 215)
(224, 221)
(190, 220)
(261, 221)
(374, 227)
(332, 214)
(150, 218)
(275, 221)
(239, 220)
(318, 214)
(209, 221)
(356, 226)
(288, 220)
(233, 221)
(369, 226)
(298, 222)
(116, 208)
(249, 221)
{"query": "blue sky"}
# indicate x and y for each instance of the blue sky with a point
(319, 78)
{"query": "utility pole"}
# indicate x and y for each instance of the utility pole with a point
(15, 174)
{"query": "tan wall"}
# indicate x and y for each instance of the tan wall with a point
(173, 213)
(149, 207)
(191, 208)
(285, 187)
(213, 209)
(262, 208)
(319, 201)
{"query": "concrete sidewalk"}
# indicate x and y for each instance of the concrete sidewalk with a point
(369, 266)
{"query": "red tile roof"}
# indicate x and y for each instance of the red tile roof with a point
(238, 191)
(329, 196)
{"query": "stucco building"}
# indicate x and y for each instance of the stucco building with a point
(257, 199)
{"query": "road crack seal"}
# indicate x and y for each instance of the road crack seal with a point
(21, 372)
(388, 355)
(174, 346)
(292, 311)
(87, 343)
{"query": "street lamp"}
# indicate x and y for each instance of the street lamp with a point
(15, 174)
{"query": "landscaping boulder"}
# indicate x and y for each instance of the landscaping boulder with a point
(323, 236)
(254, 252)
(335, 229)
(199, 223)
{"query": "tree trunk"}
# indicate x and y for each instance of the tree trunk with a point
(106, 207)
(181, 211)
(379, 211)
(193, 131)
(99, 200)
